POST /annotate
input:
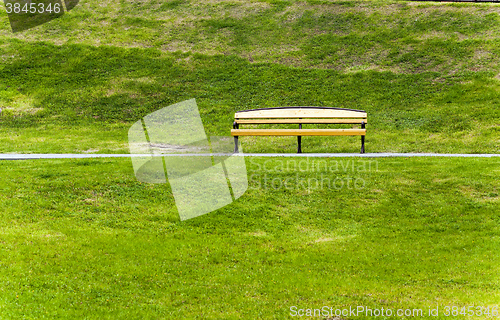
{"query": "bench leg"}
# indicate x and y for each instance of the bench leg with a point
(299, 140)
(362, 138)
(236, 144)
(236, 126)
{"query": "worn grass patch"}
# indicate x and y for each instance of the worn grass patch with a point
(390, 35)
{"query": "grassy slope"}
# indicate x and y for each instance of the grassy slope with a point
(425, 72)
(84, 238)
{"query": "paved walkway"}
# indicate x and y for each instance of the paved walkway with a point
(313, 155)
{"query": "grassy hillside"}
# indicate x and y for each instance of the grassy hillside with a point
(83, 239)
(426, 73)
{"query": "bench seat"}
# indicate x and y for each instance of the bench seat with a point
(298, 132)
(297, 121)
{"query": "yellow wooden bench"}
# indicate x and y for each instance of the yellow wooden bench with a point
(300, 116)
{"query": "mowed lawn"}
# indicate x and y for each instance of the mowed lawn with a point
(85, 239)
(426, 73)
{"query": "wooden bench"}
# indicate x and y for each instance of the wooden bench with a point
(300, 116)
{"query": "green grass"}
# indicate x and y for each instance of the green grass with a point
(426, 73)
(84, 239)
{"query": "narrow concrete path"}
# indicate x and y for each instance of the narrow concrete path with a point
(312, 155)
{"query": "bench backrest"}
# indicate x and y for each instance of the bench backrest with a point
(301, 114)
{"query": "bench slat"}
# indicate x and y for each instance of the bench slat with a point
(298, 132)
(303, 121)
(297, 112)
